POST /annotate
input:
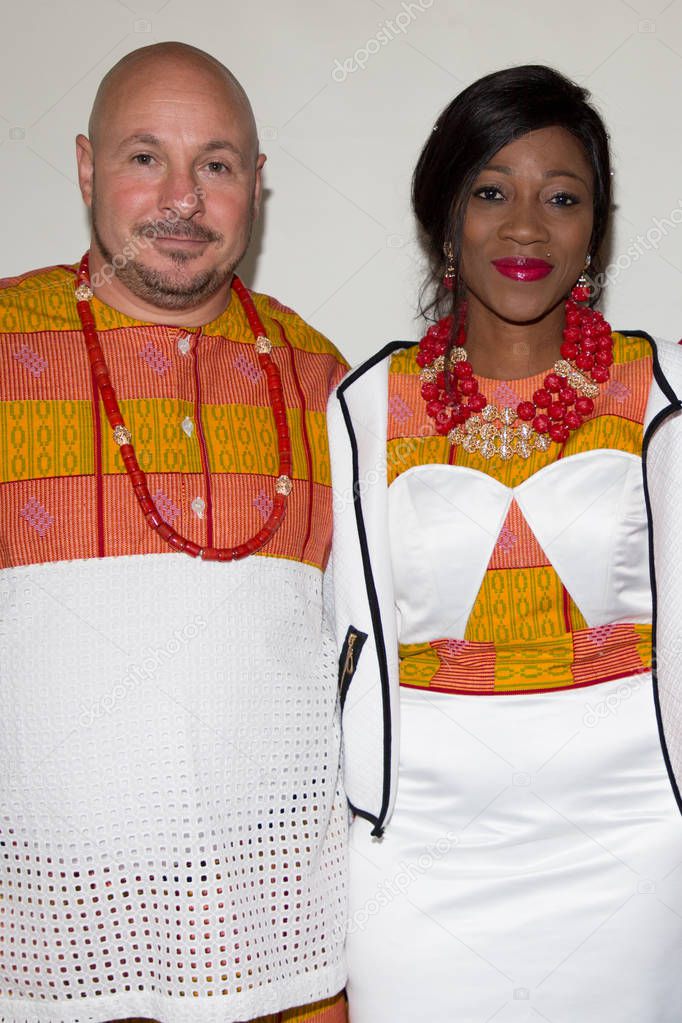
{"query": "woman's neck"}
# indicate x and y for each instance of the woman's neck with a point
(511, 351)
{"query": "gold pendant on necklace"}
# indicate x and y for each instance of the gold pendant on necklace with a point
(498, 433)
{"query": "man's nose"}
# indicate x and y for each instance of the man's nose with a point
(181, 193)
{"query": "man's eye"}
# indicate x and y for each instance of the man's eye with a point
(143, 159)
(217, 167)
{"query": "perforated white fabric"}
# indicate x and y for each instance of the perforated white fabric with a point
(172, 831)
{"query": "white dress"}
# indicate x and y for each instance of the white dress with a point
(531, 869)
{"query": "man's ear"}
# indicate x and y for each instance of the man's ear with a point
(258, 187)
(86, 167)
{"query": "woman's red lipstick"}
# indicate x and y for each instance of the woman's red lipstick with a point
(523, 268)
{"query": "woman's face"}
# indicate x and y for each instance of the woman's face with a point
(527, 226)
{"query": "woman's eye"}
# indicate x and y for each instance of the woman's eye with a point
(490, 193)
(564, 199)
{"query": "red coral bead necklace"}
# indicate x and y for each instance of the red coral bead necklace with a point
(122, 436)
(558, 408)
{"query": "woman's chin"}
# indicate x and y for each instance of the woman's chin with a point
(522, 310)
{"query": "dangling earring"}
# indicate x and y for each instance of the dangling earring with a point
(450, 275)
(583, 287)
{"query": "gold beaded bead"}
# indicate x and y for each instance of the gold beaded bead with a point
(122, 436)
(283, 485)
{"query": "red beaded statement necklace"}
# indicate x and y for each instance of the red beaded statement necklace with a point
(464, 414)
(283, 484)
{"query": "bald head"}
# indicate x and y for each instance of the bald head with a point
(171, 60)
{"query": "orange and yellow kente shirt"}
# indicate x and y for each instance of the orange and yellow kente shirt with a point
(197, 405)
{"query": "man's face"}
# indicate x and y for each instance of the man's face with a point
(172, 179)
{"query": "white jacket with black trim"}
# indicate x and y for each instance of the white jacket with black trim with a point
(365, 607)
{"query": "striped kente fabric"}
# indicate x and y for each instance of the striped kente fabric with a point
(524, 633)
(196, 403)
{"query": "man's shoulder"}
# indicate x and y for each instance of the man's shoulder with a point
(41, 279)
(278, 317)
(37, 300)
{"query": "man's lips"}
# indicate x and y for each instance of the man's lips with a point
(182, 241)
(523, 268)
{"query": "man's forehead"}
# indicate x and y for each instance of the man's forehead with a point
(201, 96)
(155, 86)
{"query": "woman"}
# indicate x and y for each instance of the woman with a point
(515, 855)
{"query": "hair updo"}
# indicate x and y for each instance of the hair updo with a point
(488, 115)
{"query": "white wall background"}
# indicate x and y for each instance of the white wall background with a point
(337, 239)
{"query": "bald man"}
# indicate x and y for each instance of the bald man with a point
(172, 827)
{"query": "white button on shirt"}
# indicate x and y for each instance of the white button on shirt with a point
(198, 506)
(188, 426)
(184, 342)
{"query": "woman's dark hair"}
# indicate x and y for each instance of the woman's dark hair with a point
(488, 115)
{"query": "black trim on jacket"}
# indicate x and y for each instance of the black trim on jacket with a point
(660, 417)
(375, 613)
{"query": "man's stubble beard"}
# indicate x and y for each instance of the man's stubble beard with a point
(161, 289)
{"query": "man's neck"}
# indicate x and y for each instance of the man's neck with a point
(113, 293)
